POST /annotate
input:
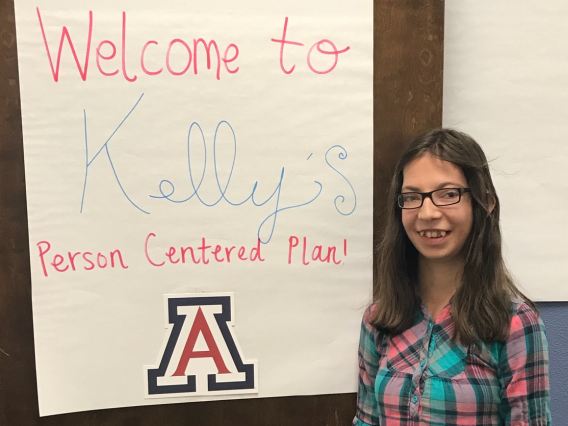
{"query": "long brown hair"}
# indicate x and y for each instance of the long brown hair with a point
(481, 307)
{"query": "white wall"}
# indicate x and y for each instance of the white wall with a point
(506, 84)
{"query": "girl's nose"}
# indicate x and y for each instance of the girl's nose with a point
(429, 211)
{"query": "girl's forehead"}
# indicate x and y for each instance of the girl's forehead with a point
(431, 169)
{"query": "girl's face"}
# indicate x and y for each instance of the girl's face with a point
(438, 233)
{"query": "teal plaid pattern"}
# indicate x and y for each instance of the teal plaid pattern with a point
(422, 377)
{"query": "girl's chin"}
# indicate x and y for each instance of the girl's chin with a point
(433, 255)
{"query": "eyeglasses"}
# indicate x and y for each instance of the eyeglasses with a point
(439, 197)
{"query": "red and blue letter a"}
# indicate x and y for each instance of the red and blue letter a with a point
(201, 355)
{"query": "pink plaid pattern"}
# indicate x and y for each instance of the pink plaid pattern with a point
(422, 377)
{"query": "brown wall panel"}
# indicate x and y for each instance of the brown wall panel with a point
(408, 79)
(407, 100)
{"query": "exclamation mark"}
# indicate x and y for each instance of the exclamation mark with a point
(345, 247)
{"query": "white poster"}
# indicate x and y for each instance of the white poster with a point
(199, 188)
(506, 84)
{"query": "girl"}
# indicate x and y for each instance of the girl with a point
(449, 340)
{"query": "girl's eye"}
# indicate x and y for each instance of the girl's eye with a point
(411, 197)
(449, 194)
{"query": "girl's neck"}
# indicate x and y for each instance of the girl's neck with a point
(438, 281)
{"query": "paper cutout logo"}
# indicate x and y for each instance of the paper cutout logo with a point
(200, 355)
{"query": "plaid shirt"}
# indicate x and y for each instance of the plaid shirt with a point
(422, 377)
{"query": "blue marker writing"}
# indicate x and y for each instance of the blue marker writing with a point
(88, 162)
(266, 228)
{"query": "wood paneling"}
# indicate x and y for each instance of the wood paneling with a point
(407, 100)
(409, 62)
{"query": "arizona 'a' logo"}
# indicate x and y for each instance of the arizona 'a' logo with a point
(200, 355)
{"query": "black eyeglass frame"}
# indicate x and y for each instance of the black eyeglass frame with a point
(424, 195)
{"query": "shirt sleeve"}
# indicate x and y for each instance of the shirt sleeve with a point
(523, 372)
(368, 364)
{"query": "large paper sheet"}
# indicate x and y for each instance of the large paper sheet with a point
(199, 187)
(506, 83)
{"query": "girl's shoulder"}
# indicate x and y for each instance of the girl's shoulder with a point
(525, 320)
(368, 322)
(368, 317)
(369, 311)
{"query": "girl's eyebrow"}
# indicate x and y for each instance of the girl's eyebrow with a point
(440, 186)
(410, 188)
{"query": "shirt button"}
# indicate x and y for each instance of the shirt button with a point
(415, 399)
